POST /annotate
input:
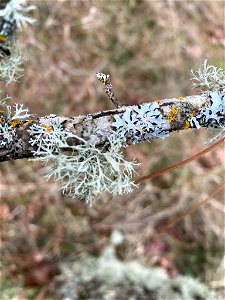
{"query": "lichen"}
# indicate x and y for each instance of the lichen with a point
(9, 121)
(213, 115)
(172, 114)
(86, 171)
(7, 133)
(209, 79)
(14, 11)
(103, 77)
(141, 122)
(14, 123)
(187, 124)
(127, 279)
(11, 66)
(11, 18)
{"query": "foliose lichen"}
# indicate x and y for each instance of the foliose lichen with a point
(14, 12)
(9, 120)
(141, 123)
(210, 80)
(7, 133)
(212, 115)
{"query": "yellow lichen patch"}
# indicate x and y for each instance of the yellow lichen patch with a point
(180, 98)
(0, 119)
(191, 115)
(172, 114)
(47, 128)
(159, 100)
(187, 124)
(29, 121)
(14, 123)
(2, 38)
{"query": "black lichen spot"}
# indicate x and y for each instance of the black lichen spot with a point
(198, 297)
(176, 289)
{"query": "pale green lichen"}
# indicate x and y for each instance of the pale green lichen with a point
(11, 67)
(3, 100)
(209, 78)
(96, 278)
(84, 170)
(19, 112)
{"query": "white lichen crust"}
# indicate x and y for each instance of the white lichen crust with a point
(213, 115)
(141, 122)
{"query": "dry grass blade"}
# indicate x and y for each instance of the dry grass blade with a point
(181, 163)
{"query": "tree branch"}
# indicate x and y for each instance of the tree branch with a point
(136, 123)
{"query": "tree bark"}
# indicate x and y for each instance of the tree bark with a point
(177, 114)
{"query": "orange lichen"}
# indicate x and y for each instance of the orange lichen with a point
(14, 123)
(0, 119)
(186, 124)
(172, 114)
(2, 38)
(47, 128)
(29, 121)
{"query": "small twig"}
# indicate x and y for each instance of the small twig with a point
(108, 89)
(181, 163)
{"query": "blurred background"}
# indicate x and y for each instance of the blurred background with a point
(149, 49)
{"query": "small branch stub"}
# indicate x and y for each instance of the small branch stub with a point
(108, 88)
